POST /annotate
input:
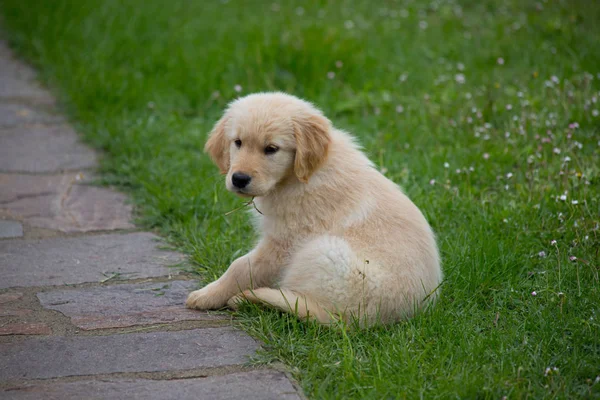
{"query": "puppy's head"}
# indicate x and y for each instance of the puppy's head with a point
(266, 138)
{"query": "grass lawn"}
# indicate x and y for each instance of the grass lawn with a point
(486, 113)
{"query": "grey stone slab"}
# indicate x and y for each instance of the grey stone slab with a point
(259, 385)
(117, 306)
(43, 148)
(17, 80)
(13, 114)
(58, 356)
(61, 261)
(61, 203)
(10, 229)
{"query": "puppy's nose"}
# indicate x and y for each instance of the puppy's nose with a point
(240, 180)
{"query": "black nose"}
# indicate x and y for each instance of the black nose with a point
(240, 180)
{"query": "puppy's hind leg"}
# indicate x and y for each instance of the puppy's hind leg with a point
(287, 301)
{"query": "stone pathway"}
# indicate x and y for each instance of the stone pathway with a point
(89, 306)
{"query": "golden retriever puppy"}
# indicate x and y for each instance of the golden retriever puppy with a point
(337, 238)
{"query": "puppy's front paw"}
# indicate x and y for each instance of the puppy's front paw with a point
(204, 300)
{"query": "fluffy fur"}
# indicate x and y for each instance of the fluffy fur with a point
(337, 238)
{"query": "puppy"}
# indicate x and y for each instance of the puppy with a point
(338, 240)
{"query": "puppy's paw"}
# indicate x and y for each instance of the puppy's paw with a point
(235, 302)
(203, 300)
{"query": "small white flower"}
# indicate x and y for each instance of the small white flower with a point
(509, 107)
(553, 243)
(500, 61)
(460, 78)
(468, 96)
(469, 120)
(509, 175)
(349, 24)
(542, 254)
(556, 150)
(534, 293)
(331, 75)
(423, 24)
(567, 159)
(237, 88)
(446, 165)
(339, 64)
(403, 77)
(432, 182)
(563, 197)
(458, 171)
(595, 113)
(574, 201)
(555, 79)
(486, 156)
(471, 169)
(507, 134)
(460, 66)
(399, 109)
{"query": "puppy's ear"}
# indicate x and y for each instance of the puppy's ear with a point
(312, 143)
(217, 145)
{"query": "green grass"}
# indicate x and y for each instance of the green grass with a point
(145, 80)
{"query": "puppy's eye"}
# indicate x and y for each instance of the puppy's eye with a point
(238, 143)
(270, 149)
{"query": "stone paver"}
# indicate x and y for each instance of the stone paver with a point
(125, 305)
(258, 385)
(42, 148)
(12, 115)
(17, 80)
(61, 261)
(59, 202)
(10, 229)
(24, 328)
(57, 356)
(10, 297)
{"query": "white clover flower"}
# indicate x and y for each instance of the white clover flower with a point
(399, 109)
(432, 182)
(460, 78)
(331, 75)
(237, 88)
(500, 61)
(446, 165)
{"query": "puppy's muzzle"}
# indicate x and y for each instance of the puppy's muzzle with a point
(240, 180)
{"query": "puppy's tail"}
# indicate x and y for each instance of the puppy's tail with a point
(287, 301)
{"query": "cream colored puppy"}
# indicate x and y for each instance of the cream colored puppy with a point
(337, 239)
